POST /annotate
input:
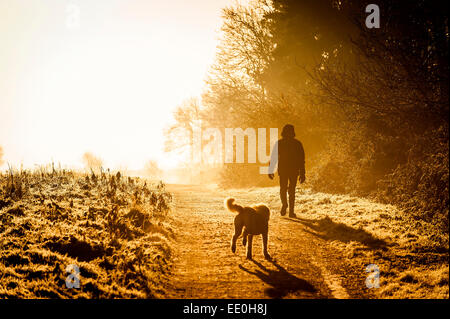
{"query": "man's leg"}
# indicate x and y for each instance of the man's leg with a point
(249, 246)
(291, 191)
(283, 195)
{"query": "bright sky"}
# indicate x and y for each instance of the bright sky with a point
(99, 75)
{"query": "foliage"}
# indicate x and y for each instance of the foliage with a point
(369, 105)
(113, 227)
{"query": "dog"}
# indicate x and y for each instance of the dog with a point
(254, 220)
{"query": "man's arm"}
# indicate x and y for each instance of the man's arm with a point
(273, 161)
(302, 164)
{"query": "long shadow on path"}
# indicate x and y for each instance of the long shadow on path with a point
(327, 229)
(281, 281)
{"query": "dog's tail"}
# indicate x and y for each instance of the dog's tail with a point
(229, 204)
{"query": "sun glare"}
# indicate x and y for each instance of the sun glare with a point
(108, 86)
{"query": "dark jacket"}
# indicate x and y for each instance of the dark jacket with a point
(290, 155)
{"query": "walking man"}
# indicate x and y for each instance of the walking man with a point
(288, 152)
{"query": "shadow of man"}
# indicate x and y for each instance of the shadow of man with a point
(281, 281)
(327, 229)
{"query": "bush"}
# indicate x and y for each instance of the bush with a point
(421, 184)
(113, 227)
(410, 171)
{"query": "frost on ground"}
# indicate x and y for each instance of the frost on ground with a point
(118, 232)
(115, 229)
(412, 255)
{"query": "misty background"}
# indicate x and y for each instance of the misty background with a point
(99, 76)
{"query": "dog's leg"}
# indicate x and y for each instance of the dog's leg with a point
(265, 252)
(237, 232)
(244, 237)
(249, 246)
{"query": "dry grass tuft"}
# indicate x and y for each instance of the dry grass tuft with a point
(115, 229)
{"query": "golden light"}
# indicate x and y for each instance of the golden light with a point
(106, 83)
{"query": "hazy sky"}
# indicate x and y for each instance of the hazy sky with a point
(99, 75)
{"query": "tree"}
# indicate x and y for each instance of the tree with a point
(235, 91)
(400, 72)
(240, 89)
(260, 77)
(179, 137)
(393, 100)
(304, 34)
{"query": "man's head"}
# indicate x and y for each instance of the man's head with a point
(288, 131)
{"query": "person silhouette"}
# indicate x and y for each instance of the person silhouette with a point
(288, 152)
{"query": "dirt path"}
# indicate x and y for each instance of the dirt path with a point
(303, 265)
